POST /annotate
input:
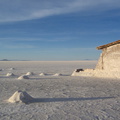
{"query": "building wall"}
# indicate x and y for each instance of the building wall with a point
(110, 59)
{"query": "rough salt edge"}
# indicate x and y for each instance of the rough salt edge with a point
(97, 73)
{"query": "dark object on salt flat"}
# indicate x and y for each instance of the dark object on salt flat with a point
(78, 70)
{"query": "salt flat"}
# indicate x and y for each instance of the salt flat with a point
(61, 97)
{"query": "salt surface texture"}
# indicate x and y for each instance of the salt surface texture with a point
(59, 98)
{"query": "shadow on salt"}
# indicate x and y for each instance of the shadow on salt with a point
(37, 100)
(24, 97)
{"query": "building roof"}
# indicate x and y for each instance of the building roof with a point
(109, 44)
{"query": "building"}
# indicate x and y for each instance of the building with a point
(108, 64)
(110, 57)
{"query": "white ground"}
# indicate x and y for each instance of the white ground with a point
(58, 97)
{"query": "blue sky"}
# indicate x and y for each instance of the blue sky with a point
(57, 30)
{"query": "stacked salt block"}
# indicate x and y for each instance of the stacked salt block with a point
(23, 77)
(29, 73)
(10, 74)
(20, 97)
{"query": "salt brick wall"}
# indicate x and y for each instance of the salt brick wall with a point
(110, 59)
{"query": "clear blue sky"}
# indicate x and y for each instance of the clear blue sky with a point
(57, 29)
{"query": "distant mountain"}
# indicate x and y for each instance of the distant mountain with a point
(13, 60)
(88, 59)
(4, 60)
